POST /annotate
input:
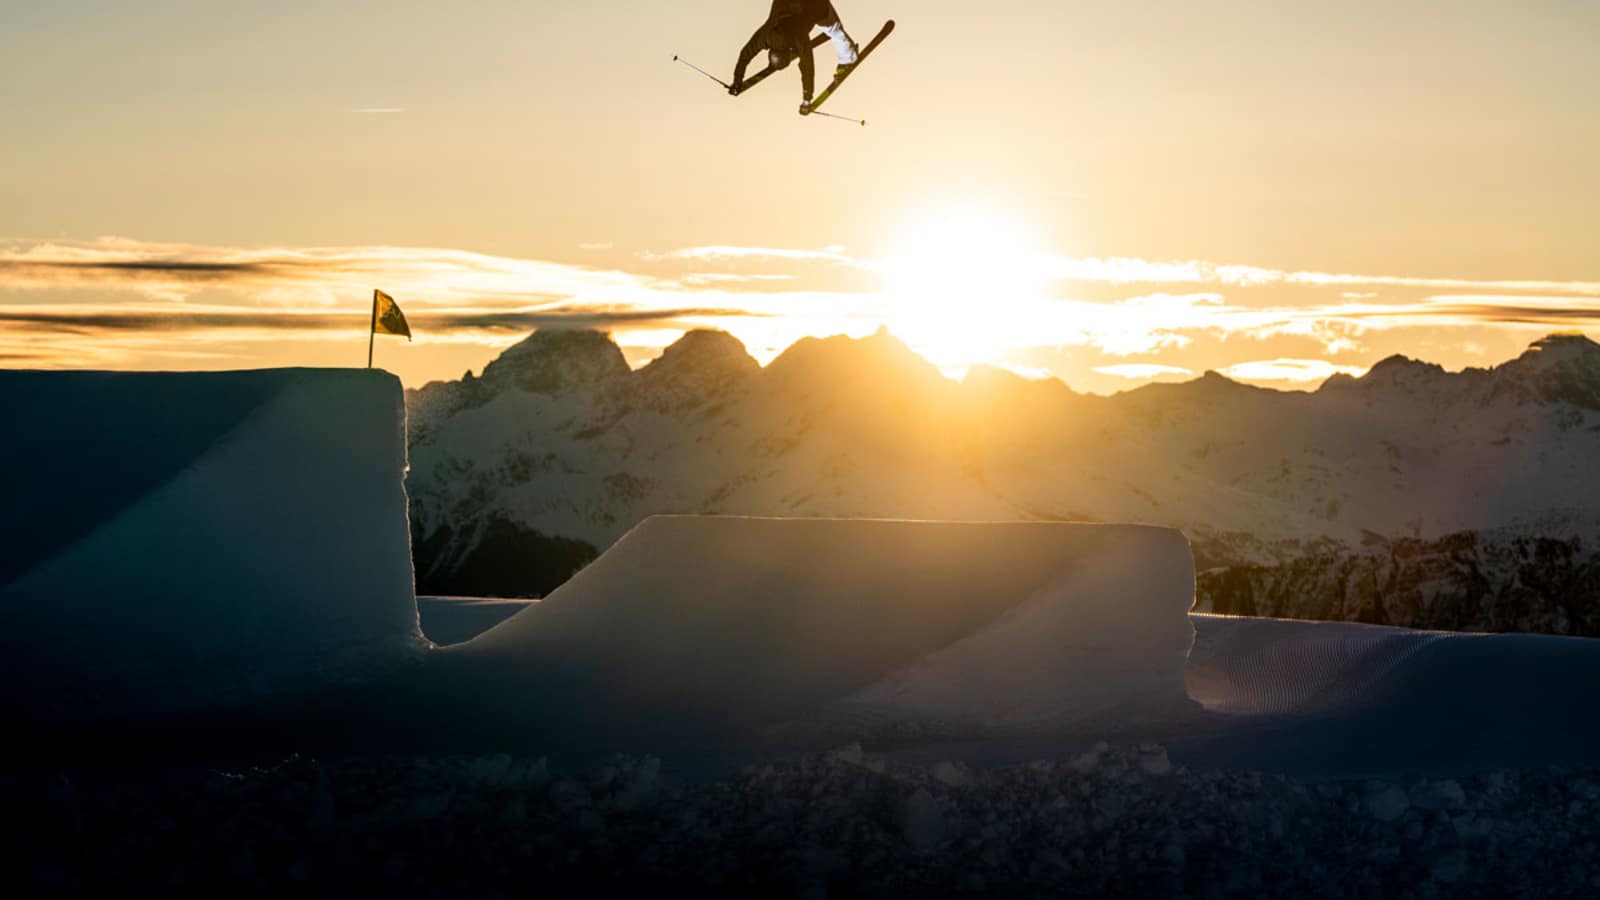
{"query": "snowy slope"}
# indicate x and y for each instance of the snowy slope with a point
(697, 623)
(841, 427)
(185, 541)
(1347, 699)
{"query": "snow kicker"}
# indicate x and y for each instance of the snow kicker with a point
(179, 542)
(728, 623)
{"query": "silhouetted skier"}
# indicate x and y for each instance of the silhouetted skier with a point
(787, 34)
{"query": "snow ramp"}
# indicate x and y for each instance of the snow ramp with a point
(692, 623)
(177, 542)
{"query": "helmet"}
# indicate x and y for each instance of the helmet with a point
(778, 58)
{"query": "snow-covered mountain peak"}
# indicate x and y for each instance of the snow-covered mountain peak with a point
(702, 354)
(880, 359)
(553, 359)
(1402, 373)
(1563, 349)
(866, 427)
(1209, 389)
(698, 368)
(999, 384)
(1216, 381)
(1559, 368)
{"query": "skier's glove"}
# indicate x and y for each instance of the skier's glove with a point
(735, 90)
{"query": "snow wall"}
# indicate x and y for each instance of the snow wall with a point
(693, 622)
(171, 542)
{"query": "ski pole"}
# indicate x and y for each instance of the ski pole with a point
(840, 118)
(679, 59)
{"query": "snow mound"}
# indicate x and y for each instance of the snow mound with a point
(1334, 697)
(1248, 666)
(178, 542)
(729, 622)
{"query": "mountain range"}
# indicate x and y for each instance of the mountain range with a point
(1328, 503)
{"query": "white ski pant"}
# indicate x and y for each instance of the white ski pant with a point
(842, 45)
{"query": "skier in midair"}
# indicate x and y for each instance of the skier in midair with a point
(787, 34)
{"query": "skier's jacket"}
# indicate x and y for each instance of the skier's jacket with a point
(788, 31)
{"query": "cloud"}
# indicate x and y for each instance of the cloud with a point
(1563, 312)
(833, 254)
(1298, 371)
(426, 275)
(52, 293)
(83, 320)
(1142, 370)
(1123, 270)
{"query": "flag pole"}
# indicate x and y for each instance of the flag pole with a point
(372, 330)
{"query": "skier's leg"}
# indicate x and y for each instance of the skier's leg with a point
(843, 46)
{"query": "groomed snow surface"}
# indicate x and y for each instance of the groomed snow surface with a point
(860, 627)
(177, 542)
(206, 556)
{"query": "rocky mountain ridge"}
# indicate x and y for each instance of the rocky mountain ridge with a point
(559, 447)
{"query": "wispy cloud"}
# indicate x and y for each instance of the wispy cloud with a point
(1142, 371)
(1298, 371)
(317, 275)
(86, 319)
(832, 254)
(52, 292)
(1120, 270)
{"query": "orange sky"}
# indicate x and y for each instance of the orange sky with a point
(1107, 193)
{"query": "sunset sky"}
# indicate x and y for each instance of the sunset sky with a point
(1106, 192)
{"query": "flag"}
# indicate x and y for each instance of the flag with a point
(387, 317)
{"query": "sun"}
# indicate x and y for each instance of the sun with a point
(962, 284)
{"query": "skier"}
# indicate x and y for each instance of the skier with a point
(787, 34)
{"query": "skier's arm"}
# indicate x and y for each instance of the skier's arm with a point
(751, 48)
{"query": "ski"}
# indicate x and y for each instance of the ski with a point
(753, 80)
(865, 51)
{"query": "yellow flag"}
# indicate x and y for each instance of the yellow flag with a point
(387, 317)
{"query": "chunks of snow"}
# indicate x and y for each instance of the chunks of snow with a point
(864, 624)
(1387, 802)
(193, 541)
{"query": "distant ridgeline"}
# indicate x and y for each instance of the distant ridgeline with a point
(1410, 495)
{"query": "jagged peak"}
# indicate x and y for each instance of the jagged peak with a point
(551, 359)
(704, 348)
(1558, 368)
(988, 383)
(1338, 381)
(985, 377)
(1563, 348)
(1212, 381)
(697, 364)
(1399, 371)
(878, 353)
(1399, 362)
(1211, 385)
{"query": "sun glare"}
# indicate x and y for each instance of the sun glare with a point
(961, 285)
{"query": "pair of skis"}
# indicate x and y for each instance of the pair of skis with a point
(811, 109)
